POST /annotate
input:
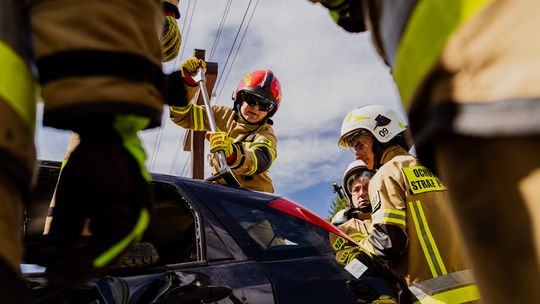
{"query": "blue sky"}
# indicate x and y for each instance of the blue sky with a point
(324, 72)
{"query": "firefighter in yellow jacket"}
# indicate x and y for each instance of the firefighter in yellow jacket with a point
(246, 135)
(467, 73)
(100, 82)
(170, 45)
(411, 230)
(355, 221)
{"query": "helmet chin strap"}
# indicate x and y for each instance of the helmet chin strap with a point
(378, 150)
(364, 209)
(361, 212)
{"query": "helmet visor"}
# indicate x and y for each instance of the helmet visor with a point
(358, 139)
(366, 173)
(261, 103)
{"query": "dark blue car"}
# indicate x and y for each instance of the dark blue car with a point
(215, 244)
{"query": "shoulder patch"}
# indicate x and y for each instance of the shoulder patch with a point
(421, 180)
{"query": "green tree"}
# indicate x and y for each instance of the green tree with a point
(336, 205)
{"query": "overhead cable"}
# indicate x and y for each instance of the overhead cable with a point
(234, 42)
(220, 29)
(238, 49)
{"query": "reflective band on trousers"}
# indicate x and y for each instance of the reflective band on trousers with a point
(430, 25)
(456, 287)
(134, 236)
(127, 127)
(17, 85)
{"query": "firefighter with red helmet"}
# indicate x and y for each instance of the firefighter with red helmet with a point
(245, 131)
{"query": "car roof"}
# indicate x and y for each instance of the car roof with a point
(194, 184)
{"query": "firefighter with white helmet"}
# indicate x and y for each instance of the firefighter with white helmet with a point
(382, 123)
(355, 220)
(245, 131)
(467, 74)
(356, 176)
(411, 232)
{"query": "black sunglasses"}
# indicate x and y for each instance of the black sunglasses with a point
(261, 103)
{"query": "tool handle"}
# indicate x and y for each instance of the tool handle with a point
(200, 78)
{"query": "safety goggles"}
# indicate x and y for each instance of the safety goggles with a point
(261, 103)
(357, 139)
(367, 173)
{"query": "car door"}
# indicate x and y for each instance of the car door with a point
(287, 248)
(292, 245)
(220, 260)
(198, 260)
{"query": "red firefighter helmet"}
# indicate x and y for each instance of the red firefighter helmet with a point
(263, 84)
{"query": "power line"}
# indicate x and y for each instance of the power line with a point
(220, 29)
(189, 27)
(185, 165)
(157, 143)
(238, 49)
(184, 24)
(184, 38)
(234, 42)
(177, 153)
(212, 52)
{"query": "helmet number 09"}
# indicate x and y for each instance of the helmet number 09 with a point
(383, 132)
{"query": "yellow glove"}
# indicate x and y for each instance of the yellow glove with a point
(220, 141)
(171, 39)
(189, 68)
(191, 65)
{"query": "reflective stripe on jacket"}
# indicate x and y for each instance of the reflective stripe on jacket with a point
(411, 230)
(256, 145)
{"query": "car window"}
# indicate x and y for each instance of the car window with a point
(172, 230)
(274, 231)
(171, 237)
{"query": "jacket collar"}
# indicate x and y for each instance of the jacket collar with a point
(392, 152)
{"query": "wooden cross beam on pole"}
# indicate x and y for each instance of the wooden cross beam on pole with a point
(194, 141)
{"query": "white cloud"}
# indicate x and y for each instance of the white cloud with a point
(324, 72)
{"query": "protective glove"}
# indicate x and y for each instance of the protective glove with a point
(105, 181)
(220, 141)
(189, 68)
(170, 39)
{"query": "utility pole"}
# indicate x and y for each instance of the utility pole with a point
(194, 141)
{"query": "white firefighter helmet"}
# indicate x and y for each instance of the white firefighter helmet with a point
(354, 170)
(379, 120)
